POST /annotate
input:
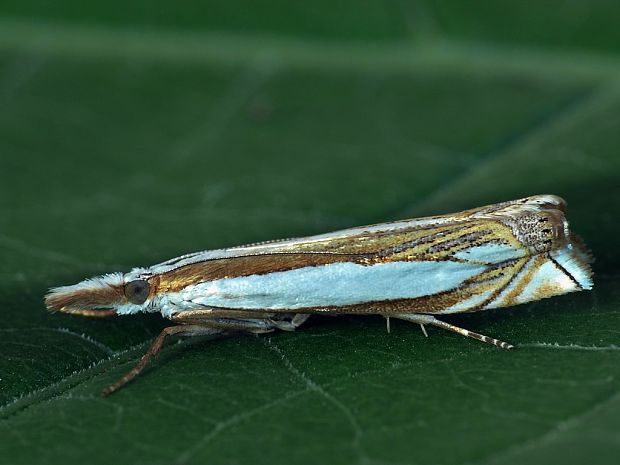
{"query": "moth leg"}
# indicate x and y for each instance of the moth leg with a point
(431, 320)
(195, 324)
(226, 320)
(296, 322)
(423, 328)
(299, 319)
(187, 330)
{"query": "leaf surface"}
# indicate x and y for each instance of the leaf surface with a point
(129, 139)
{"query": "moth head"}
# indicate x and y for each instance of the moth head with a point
(107, 295)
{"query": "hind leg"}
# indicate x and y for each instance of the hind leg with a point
(422, 319)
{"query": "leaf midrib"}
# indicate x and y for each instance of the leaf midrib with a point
(69, 39)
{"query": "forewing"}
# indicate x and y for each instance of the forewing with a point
(445, 264)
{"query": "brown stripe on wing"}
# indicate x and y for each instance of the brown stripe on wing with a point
(364, 250)
(375, 242)
(528, 275)
(509, 220)
(416, 240)
(510, 271)
(430, 238)
(494, 277)
(425, 304)
(434, 303)
(443, 243)
(209, 270)
(358, 249)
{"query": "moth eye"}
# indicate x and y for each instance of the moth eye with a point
(137, 291)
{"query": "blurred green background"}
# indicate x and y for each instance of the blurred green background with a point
(132, 132)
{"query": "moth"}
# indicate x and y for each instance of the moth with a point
(488, 257)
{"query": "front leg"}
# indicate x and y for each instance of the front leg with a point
(151, 353)
(195, 324)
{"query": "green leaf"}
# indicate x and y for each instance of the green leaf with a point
(127, 139)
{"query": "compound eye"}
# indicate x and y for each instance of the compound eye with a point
(137, 291)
